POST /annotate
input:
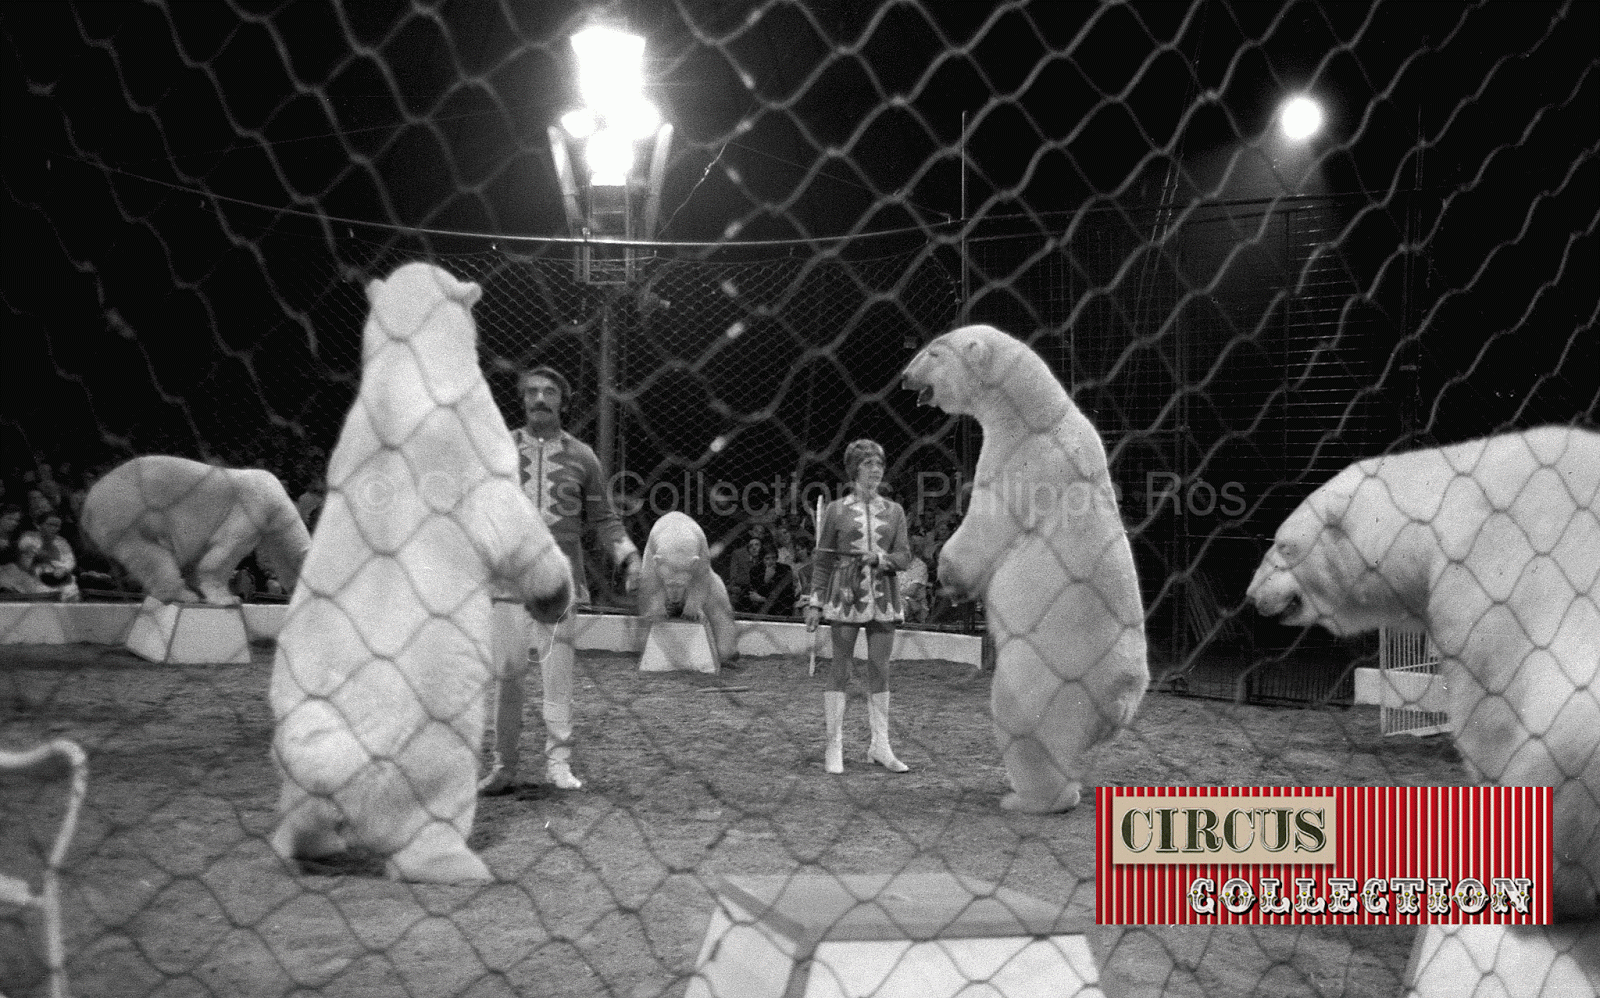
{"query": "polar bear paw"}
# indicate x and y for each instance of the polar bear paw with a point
(437, 856)
(956, 592)
(1066, 800)
(550, 609)
(175, 594)
(301, 836)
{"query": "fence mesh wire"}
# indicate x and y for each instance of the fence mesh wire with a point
(198, 195)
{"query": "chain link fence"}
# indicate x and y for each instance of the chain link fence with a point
(197, 197)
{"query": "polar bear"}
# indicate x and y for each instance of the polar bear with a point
(1507, 961)
(1493, 547)
(180, 527)
(677, 581)
(1043, 545)
(384, 665)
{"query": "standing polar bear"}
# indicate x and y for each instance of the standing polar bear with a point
(180, 527)
(1492, 546)
(677, 581)
(384, 666)
(1043, 545)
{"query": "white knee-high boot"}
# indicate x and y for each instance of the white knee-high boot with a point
(833, 707)
(880, 752)
(556, 669)
(558, 746)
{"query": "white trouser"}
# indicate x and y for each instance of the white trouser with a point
(518, 640)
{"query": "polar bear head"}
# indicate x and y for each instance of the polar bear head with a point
(676, 569)
(1348, 559)
(427, 311)
(678, 557)
(983, 372)
(285, 541)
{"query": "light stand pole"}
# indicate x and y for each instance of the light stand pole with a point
(614, 119)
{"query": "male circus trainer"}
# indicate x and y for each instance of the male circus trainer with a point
(563, 478)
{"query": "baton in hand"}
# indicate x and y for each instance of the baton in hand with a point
(817, 532)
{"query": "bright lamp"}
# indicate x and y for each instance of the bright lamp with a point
(580, 124)
(610, 67)
(1300, 118)
(610, 157)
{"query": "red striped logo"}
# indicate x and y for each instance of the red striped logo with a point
(1323, 855)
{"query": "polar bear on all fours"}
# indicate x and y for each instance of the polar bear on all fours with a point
(1043, 545)
(677, 581)
(384, 667)
(1493, 546)
(180, 527)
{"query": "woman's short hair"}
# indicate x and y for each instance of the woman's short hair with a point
(859, 451)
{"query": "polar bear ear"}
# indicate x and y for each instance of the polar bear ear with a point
(468, 293)
(979, 356)
(374, 286)
(1332, 522)
(1334, 512)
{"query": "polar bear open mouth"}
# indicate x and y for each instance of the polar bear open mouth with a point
(1296, 611)
(924, 389)
(1293, 604)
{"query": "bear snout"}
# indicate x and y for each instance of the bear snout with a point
(957, 593)
(913, 380)
(958, 585)
(1274, 594)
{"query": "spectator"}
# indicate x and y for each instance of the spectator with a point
(741, 563)
(922, 544)
(771, 586)
(249, 578)
(800, 574)
(45, 554)
(13, 579)
(310, 503)
(941, 608)
(39, 505)
(800, 525)
(10, 527)
(783, 542)
(77, 495)
(47, 484)
(914, 583)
